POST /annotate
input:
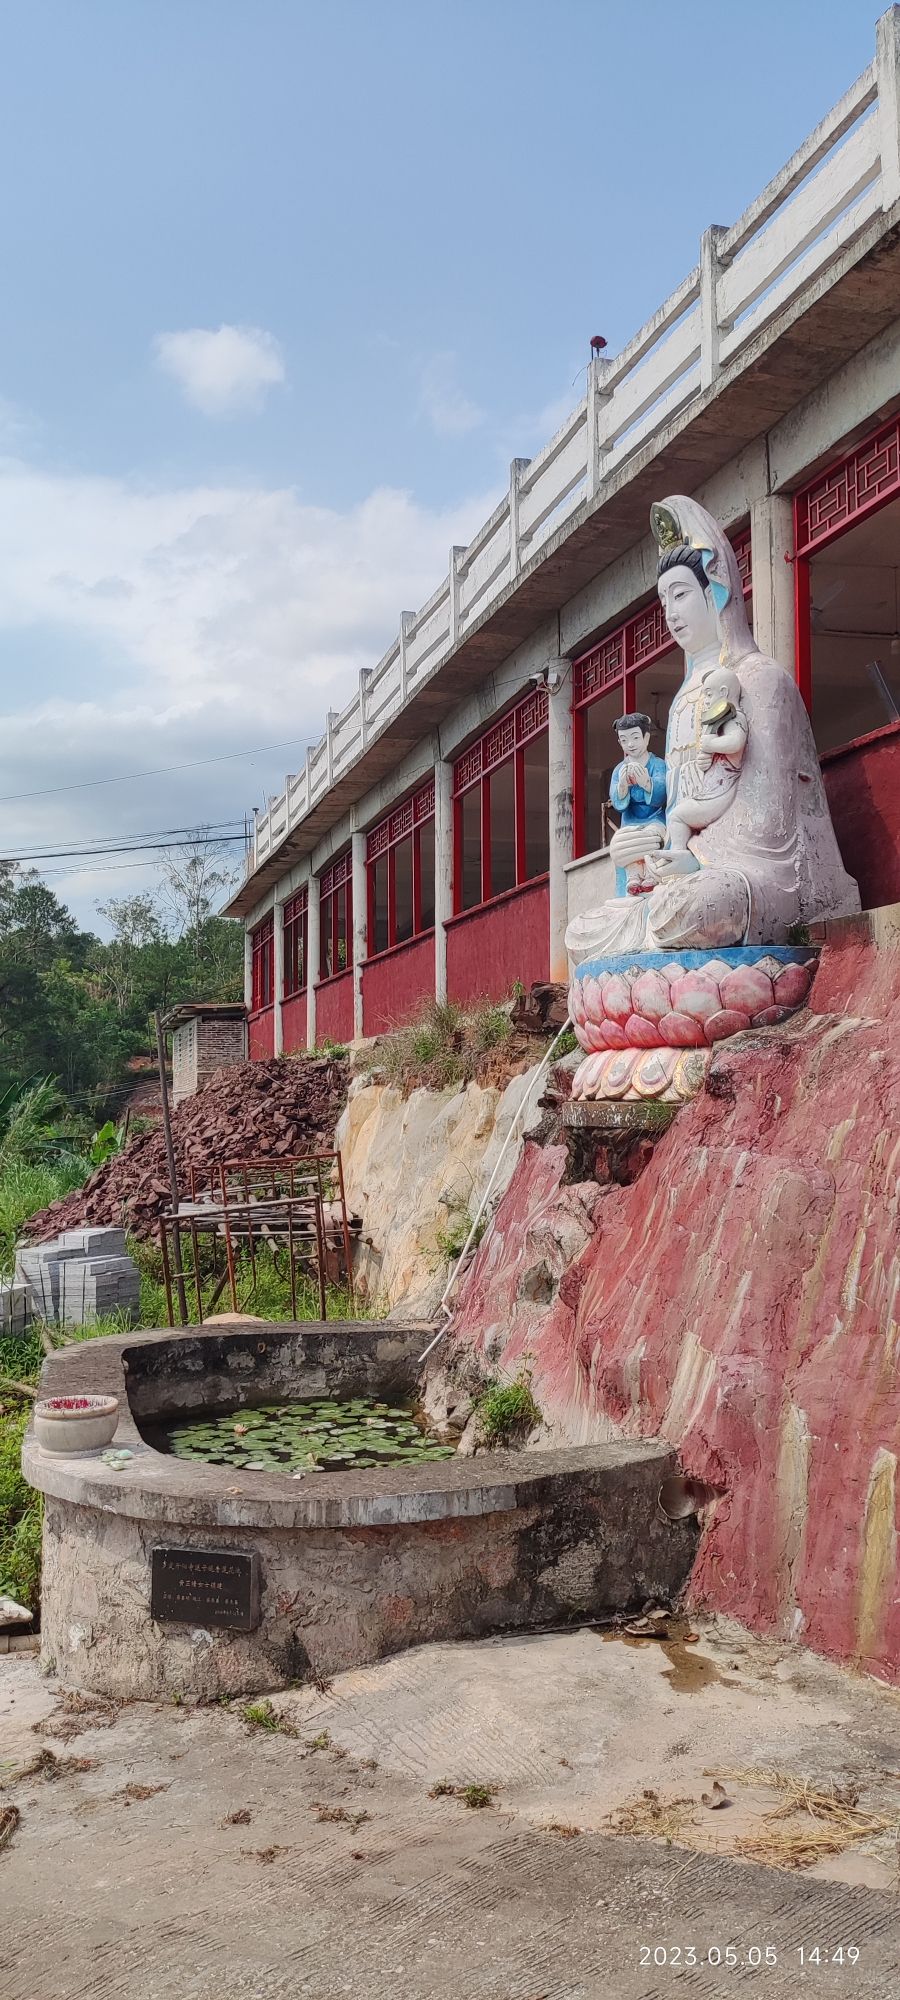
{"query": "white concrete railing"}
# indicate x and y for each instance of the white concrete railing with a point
(846, 172)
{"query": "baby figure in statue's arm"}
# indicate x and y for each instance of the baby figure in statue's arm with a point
(708, 780)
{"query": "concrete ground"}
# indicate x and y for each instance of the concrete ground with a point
(195, 1856)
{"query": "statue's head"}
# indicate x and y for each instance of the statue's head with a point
(698, 579)
(687, 599)
(633, 732)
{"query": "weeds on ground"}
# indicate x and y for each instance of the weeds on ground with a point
(508, 1410)
(444, 1045)
(263, 1292)
(476, 1797)
(21, 1512)
(433, 1043)
(261, 1715)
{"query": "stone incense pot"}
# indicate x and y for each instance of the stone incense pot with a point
(76, 1423)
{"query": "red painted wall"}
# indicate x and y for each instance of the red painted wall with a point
(863, 786)
(261, 1034)
(738, 1300)
(334, 1009)
(397, 983)
(490, 948)
(293, 1023)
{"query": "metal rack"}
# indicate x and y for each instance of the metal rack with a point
(295, 1207)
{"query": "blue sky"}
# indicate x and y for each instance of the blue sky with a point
(286, 288)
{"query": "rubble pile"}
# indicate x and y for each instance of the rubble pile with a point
(255, 1111)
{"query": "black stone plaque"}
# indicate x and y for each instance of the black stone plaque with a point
(205, 1587)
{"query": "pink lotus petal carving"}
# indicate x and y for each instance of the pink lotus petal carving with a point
(680, 1032)
(592, 998)
(729, 1022)
(617, 1073)
(614, 1035)
(792, 984)
(650, 995)
(769, 1017)
(746, 988)
(642, 1034)
(696, 994)
(617, 997)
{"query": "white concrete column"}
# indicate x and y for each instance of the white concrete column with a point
(710, 268)
(312, 957)
(443, 870)
(887, 72)
(248, 969)
(278, 975)
(771, 540)
(360, 925)
(562, 811)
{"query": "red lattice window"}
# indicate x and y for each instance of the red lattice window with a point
(528, 719)
(262, 945)
(741, 545)
(400, 871)
(640, 640)
(858, 485)
(501, 805)
(336, 918)
(296, 942)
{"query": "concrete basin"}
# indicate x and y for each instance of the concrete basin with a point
(344, 1567)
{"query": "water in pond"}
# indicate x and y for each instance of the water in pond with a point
(316, 1436)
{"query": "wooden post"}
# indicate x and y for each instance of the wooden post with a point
(170, 1162)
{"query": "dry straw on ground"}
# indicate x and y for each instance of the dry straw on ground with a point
(828, 1820)
(813, 1821)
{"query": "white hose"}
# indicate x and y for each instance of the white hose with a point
(454, 1274)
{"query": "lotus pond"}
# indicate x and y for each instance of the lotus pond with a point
(316, 1436)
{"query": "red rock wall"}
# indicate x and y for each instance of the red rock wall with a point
(742, 1300)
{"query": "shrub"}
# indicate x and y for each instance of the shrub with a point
(433, 1042)
(452, 1240)
(490, 1026)
(27, 1187)
(508, 1410)
(21, 1514)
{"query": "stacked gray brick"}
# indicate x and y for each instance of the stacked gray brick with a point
(15, 1308)
(80, 1277)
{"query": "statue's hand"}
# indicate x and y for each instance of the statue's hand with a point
(668, 861)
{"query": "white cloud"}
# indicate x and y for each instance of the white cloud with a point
(183, 624)
(226, 373)
(443, 403)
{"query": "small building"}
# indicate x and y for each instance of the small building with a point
(455, 815)
(206, 1035)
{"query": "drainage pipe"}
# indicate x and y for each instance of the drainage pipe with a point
(454, 1274)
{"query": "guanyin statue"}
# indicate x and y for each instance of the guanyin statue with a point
(768, 860)
(748, 852)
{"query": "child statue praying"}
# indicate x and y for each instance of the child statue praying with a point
(638, 793)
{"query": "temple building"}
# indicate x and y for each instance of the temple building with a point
(455, 816)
